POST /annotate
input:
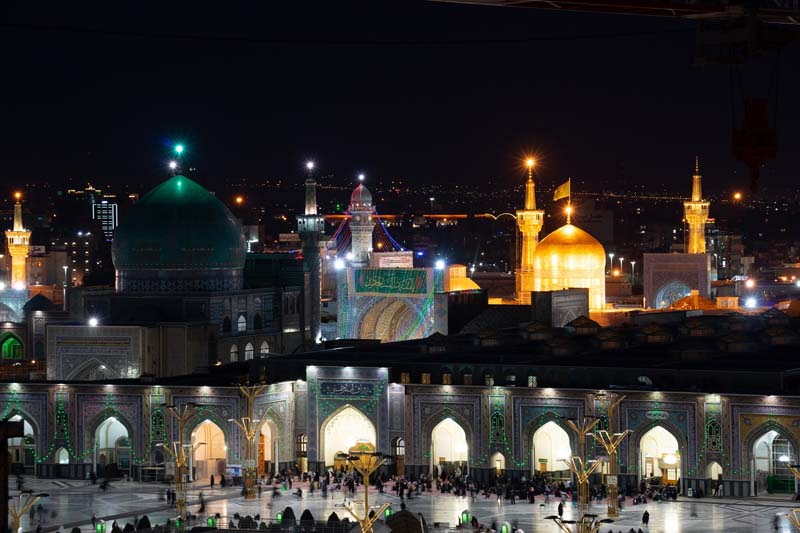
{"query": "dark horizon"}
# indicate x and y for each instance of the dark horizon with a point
(419, 91)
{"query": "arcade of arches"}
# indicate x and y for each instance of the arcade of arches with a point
(551, 448)
(345, 429)
(210, 456)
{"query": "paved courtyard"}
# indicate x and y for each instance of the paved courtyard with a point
(75, 501)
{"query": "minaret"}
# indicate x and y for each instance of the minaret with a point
(529, 221)
(311, 226)
(18, 245)
(696, 214)
(361, 224)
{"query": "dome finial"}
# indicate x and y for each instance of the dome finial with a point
(697, 164)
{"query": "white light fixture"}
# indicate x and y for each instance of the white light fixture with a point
(439, 264)
(93, 322)
(338, 264)
(750, 303)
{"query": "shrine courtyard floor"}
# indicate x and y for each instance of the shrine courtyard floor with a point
(74, 502)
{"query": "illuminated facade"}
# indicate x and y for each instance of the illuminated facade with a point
(529, 221)
(571, 258)
(18, 246)
(696, 214)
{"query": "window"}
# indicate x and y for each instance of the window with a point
(405, 378)
(425, 378)
(248, 352)
(234, 353)
(399, 446)
(532, 381)
(264, 348)
(488, 379)
(302, 445)
(11, 347)
(467, 379)
(447, 378)
(241, 324)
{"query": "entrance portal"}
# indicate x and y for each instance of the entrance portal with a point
(449, 448)
(659, 457)
(771, 453)
(210, 458)
(112, 454)
(268, 446)
(551, 448)
(343, 430)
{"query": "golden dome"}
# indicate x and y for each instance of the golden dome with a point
(571, 258)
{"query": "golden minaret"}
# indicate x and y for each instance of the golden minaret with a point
(696, 214)
(529, 221)
(18, 245)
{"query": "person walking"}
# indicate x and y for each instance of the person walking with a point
(645, 518)
(560, 509)
(94, 521)
(212, 481)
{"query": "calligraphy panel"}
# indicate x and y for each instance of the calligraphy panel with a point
(391, 281)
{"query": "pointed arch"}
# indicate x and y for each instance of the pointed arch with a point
(426, 431)
(264, 348)
(537, 423)
(342, 429)
(635, 447)
(11, 346)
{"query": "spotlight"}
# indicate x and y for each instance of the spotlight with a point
(750, 303)
(338, 264)
(439, 264)
(93, 322)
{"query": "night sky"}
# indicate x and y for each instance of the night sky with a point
(422, 91)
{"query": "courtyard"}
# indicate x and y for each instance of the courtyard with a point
(74, 502)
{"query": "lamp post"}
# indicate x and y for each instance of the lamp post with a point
(18, 506)
(582, 470)
(633, 273)
(178, 452)
(794, 514)
(620, 263)
(588, 523)
(365, 461)
(611, 442)
(610, 262)
(583, 428)
(249, 427)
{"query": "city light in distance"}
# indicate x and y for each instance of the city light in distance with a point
(737, 195)
(239, 200)
(439, 264)
(750, 303)
(338, 264)
(179, 149)
(17, 195)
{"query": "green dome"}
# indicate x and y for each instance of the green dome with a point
(179, 237)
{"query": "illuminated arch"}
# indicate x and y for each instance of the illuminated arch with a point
(343, 429)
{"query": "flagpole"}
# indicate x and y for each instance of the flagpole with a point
(569, 200)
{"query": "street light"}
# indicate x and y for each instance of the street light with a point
(582, 470)
(173, 165)
(249, 427)
(633, 272)
(178, 453)
(432, 199)
(310, 165)
(611, 262)
(18, 506)
(589, 523)
(365, 461)
(620, 262)
(582, 428)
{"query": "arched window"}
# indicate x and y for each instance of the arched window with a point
(62, 456)
(399, 446)
(226, 325)
(302, 445)
(248, 352)
(234, 353)
(11, 347)
(241, 324)
(258, 323)
(264, 348)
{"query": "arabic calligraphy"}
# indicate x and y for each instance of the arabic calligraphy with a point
(347, 389)
(381, 280)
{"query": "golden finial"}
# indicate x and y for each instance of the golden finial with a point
(697, 164)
